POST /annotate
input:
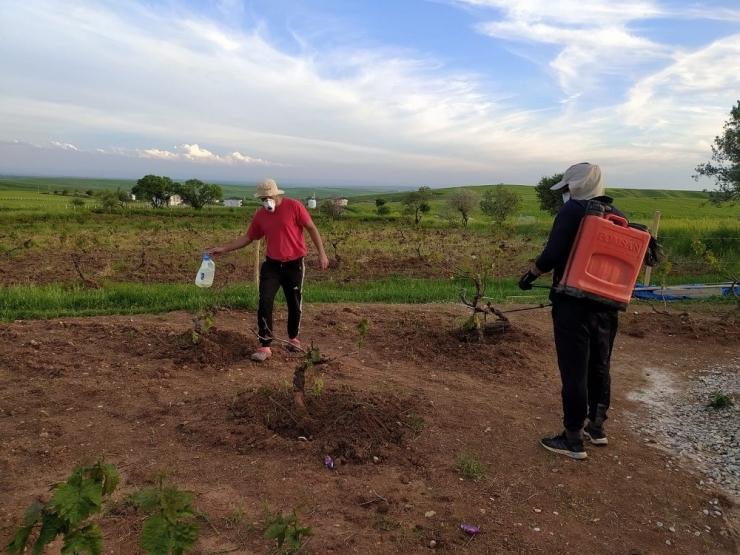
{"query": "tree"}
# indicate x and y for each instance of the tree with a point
(124, 197)
(381, 207)
(331, 209)
(109, 199)
(726, 167)
(463, 201)
(550, 201)
(500, 203)
(197, 194)
(155, 189)
(417, 202)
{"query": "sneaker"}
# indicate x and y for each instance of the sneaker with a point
(595, 435)
(560, 445)
(293, 345)
(262, 354)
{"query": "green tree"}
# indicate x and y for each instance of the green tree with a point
(108, 199)
(331, 209)
(381, 207)
(417, 202)
(154, 188)
(500, 203)
(463, 201)
(725, 164)
(124, 197)
(197, 194)
(550, 201)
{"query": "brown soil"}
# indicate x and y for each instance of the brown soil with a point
(397, 415)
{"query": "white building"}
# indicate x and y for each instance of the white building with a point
(233, 202)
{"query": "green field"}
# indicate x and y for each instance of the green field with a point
(53, 236)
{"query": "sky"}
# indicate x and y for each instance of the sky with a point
(439, 93)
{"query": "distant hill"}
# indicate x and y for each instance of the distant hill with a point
(46, 184)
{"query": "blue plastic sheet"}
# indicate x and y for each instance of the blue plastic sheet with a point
(679, 292)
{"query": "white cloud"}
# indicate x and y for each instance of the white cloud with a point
(157, 154)
(64, 146)
(193, 153)
(686, 102)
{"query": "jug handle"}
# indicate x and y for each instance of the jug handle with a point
(618, 220)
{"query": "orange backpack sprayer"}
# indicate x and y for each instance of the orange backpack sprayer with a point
(605, 260)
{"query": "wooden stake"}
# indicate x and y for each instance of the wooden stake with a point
(654, 233)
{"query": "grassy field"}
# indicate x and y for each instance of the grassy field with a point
(137, 256)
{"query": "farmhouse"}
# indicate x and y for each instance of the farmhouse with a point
(233, 202)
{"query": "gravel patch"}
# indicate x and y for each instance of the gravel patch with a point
(681, 422)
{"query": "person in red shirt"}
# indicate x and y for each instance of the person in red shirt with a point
(281, 222)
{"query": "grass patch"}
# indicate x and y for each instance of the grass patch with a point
(30, 302)
(718, 400)
(470, 466)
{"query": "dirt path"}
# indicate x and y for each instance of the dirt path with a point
(397, 415)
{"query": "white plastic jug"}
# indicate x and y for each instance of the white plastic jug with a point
(206, 272)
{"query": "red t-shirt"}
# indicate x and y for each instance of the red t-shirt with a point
(282, 230)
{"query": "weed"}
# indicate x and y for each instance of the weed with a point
(233, 405)
(718, 400)
(471, 467)
(235, 517)
(285, 387)
(318, 387)
(285, 528)
(362, 328)
(416, 423)
(385, 524)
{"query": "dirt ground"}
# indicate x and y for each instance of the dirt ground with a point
(398, 415)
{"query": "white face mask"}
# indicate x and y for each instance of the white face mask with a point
(566, 197)
(269, 204)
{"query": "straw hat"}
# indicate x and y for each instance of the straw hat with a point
(268, 188)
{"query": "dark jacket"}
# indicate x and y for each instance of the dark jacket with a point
(562, 236)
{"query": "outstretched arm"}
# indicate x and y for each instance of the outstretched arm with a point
(238, 243)
(316, 238)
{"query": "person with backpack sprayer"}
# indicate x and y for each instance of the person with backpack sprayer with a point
(584, 328)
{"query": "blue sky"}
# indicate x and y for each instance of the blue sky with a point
(368, 92)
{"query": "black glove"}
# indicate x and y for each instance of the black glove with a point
(525, 282)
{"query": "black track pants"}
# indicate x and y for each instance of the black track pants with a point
(584, 338)
(273, 276)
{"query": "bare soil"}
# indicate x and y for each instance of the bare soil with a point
(397, 414)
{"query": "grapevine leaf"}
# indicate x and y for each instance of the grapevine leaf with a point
(155, 536)
(20, 539)
(111, 478)
(274, 530)
(33, 513)
(88, 539)
(184, 535)
(51, 527)
(77, 500)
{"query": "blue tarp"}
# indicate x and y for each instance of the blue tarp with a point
(678, 292)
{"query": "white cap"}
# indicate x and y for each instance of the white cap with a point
(583, 181)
